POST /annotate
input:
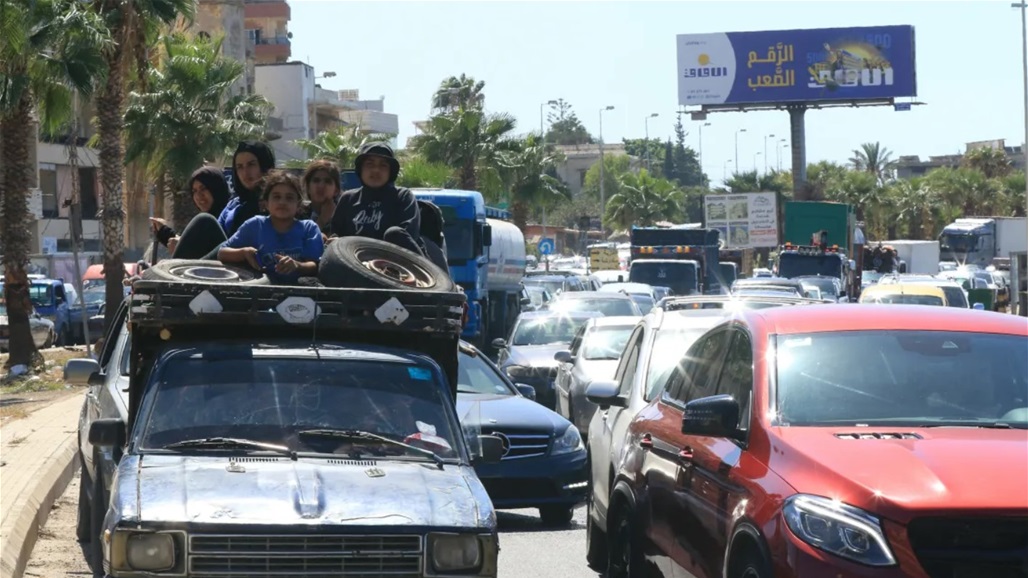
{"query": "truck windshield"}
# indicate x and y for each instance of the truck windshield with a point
(680, 277)
(958, 243)
(41, 295)
(270, 400)
(791, 265)
(460, 236)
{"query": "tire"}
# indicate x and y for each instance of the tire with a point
(362, 263)
(83, 528)
(596, 554)
(49, 340)
(556, 516)
(749, 564)
(625, 559)
(98, 510)
(203, 273)
(62, 338)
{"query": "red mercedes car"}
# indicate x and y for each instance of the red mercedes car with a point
(832, 442)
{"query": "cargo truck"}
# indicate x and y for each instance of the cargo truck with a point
(983, 241)
(686, 260)
(818, 240)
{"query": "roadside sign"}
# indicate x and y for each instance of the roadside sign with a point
(604, 259)
(546, 246)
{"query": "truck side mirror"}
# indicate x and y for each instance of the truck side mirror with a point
(487, 235)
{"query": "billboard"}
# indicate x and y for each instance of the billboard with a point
(744, 220)
(821, 65)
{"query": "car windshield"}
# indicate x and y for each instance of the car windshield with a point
(612, 307)
(272, 399)
(605, 342)
(644, 302)
(904, 299)
(679, 276)
(901, 378)
(958, 243)
(547, 330)
(94, 296)
(475, 376)
(553, 286)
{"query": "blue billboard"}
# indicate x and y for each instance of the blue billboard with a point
(821, 65)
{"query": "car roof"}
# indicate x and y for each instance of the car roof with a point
(778, 281)
(687, 318)
(614, 321)
(892, 317)
(567, 296)
(628, 286)
(549, 313)
(905, 289)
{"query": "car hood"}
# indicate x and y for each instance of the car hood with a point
(507, 412)
(251, 490)
(535, 355)
(940, 469)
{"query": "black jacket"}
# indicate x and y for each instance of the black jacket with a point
(369, 212)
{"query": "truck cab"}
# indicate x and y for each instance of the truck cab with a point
(53, 299)
(968, 242)
(817, 261)
(686, 260)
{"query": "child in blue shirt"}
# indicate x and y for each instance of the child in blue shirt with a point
(279, 245)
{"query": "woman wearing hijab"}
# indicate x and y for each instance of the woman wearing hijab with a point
(205, 235)
(210, 195)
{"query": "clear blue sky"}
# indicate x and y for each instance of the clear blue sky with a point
(594, 54)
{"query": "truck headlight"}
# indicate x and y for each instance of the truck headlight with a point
(838, 529)
(454, 552)
(142, 551)
(570, 441)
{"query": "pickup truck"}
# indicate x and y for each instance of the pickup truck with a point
(52, 300)
(246, 429)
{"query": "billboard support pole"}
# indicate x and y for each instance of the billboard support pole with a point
(797, 132)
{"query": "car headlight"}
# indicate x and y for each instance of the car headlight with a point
(838, 529)
(454, 552)
(570, 441)
(142, 551)
(517, 371)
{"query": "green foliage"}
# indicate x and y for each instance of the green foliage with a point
(339, 145)
(565, 128)
(643, 200)
(416, 172)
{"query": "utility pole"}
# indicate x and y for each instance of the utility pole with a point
(76, 214)
(646, 122)
(1024, 63)
(737, 147)
(702, 124)
(603, 205)
(765, 151)
(542, 142)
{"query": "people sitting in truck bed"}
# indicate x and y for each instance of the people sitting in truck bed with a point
(379, 209)
(321, 181)
(281, 246)
(210, 195)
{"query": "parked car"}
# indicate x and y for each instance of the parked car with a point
(544, 463)
(904, 293)
(956, 295)
(43, 334)
(775, 448)
(593, 355)
(602, 302)
(534, 297)
(830, 288)
(527, 355)
(51, 299)
(555, 284)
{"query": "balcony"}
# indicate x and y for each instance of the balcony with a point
(273, 48)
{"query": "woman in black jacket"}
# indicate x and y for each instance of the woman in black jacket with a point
(210, 195)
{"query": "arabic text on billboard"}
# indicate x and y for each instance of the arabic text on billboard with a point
(819, 65)
(604, 259)
(744, 220)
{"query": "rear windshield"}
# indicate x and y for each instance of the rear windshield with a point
(612, 307)
(681, 277)
(547, 330)
(902, 378)
(904, 299)
(605, 342)
(955, 296)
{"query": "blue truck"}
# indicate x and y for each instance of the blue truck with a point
(686, 260)
(486, 255)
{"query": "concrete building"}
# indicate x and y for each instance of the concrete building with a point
(267, 29)
(227, 18)
(910, 166)
(579, 159)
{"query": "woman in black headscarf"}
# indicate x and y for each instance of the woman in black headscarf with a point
(210, 195)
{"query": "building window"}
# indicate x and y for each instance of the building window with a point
(581, 178)
(87, 192)
(253, 35)
(48, 186)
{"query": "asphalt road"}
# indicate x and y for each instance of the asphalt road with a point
(527, 548)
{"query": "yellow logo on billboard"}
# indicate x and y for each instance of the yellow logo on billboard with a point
(703, 59)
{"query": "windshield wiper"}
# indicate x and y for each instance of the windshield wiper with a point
(219, 442)
(356, 434)
(475, 391)
(983, 425)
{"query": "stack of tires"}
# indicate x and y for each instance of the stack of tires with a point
(348, 262)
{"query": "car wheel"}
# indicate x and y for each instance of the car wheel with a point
(85, 522)
(98, 510)
(359, 262)
(625, 559)
(595, 543)
(556, 515)
(49, 339)
(62, 337)
(204, 273)
(749, 565)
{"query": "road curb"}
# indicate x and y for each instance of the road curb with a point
(54, 475)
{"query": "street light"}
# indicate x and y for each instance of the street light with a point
(542, 142)
(737, 147)
(701, 147)
(781, 145)
(1024, 56)
(724, 171)
(328, 74)
(602, 203)
(755, 155)
(646, 122)
(765, 151)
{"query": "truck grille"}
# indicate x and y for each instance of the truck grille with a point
(303, 556)
(522, 444)
(971, 547)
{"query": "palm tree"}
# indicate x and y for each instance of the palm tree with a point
(990, 161)
(189, 115)
(918, 204)
(416, 172)
(875, 159)
(132, 24)
(339, 145)
(468, 140)
(51, 49)
(529, 180)
(643, 200)
(457, 93)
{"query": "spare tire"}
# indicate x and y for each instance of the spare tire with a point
(203, 272)
(363, 263)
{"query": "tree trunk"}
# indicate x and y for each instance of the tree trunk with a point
(183, 208)
(519, 215)
(14, 234)
(110, 110)
(468, 178)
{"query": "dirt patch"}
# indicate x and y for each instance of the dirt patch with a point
(23, 394)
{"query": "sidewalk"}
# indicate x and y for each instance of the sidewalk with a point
(37, 454)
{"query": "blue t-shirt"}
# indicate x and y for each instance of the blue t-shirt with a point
(301, 242)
